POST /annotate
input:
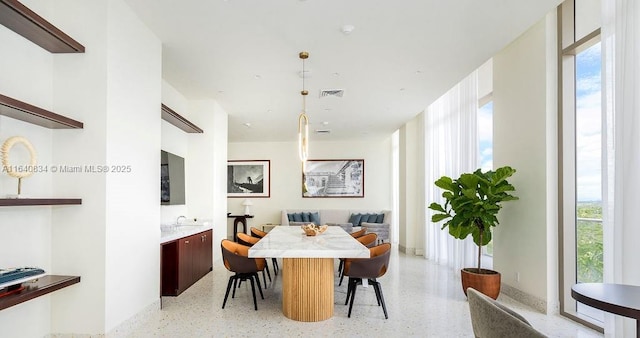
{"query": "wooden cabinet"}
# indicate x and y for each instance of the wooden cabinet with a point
(184, 261)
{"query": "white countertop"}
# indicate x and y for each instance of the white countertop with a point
(171, 233)
(291, 242)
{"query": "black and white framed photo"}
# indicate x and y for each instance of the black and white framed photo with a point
(333, 178)
(248, 178)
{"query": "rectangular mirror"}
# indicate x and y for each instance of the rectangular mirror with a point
(171, 179)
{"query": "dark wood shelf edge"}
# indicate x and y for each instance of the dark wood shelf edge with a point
(178, 120)
(41, 287)
(20, 19)
(29, 113)
(8, 202)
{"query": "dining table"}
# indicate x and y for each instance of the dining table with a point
(620, 299)
(308, 267)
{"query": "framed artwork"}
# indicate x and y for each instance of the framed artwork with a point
(333, 178)
(249, 178)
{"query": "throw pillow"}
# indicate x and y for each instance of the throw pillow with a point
(305, 217)
(380, 218)
(290, 217)
(364, 218)
(315, 218)
(297, 217)
(355, 219)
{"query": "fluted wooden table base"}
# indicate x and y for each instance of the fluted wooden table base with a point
(307, 289)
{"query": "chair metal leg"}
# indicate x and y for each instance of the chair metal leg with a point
(349, 286)
(253, 291)
(236, 284)
(258, 281)
(266, 267)
(341, 276)
(384, 306)
(376, 287)
(353, 296)
(231, 280)
(275, 266)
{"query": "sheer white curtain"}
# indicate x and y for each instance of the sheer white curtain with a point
(621, 88)
(451, 148)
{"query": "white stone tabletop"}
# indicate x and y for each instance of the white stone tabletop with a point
(291, 242)
(171, 233)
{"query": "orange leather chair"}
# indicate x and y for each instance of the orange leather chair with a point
(370, 269)
(249, 241)
(255, 232)
(367, 240)
(236, 259)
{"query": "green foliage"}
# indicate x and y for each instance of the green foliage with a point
(472, 203)
(589, 243)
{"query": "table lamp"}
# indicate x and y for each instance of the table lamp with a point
(247, 203)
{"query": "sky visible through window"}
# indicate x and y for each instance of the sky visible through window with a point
(588, 125)
(485, 136)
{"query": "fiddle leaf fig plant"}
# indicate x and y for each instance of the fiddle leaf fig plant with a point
(472, 202)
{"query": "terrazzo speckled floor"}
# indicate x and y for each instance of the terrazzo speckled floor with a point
(423, 300)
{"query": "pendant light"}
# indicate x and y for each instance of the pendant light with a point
(303, 119)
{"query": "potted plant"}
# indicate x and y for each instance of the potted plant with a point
(471, 205)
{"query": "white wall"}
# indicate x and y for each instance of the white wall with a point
(412, 205)
(133, 135)
(175, 141)
(286, 176)
(524, 137)
(207, 168)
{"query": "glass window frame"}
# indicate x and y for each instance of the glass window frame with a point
(569, 47)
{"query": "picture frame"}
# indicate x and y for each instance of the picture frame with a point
(250, 178)
(341, 178)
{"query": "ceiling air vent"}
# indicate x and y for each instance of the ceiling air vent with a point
(331, 92)
(323, 131)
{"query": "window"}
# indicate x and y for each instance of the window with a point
(588, 126)
(581, 241)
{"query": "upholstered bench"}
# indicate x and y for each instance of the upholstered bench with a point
(375, 221)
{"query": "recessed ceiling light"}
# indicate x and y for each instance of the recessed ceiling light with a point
(247, 124)
(257, 77)
(325, 123)
(347, 29)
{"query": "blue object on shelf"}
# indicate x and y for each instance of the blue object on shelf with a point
(14, 274)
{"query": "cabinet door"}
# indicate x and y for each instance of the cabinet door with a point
(206, 253)
(203, 255)
(185, 262)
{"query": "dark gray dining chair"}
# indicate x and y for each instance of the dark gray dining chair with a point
(490, 319)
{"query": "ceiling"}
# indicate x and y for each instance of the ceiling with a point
(400, 57)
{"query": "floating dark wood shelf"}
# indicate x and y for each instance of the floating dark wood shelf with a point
(25, 112)
(20, 19)
(177, 120)
(44, 285)
(8, 202)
